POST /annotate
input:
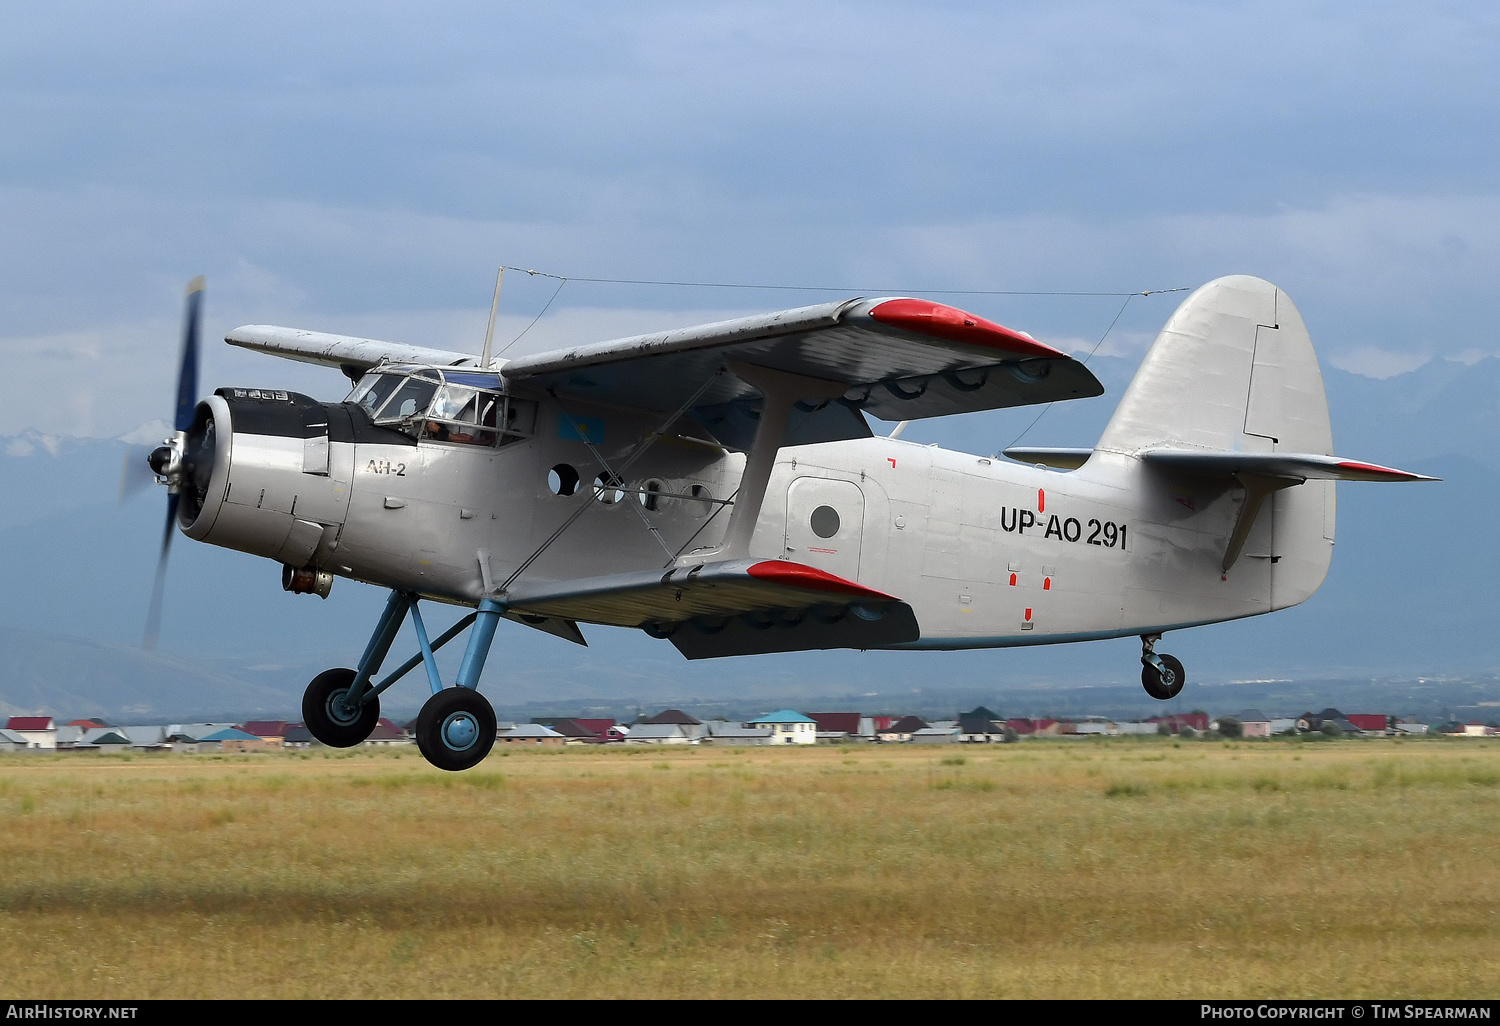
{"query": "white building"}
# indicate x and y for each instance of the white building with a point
(788, 727)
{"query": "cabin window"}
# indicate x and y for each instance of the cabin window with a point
(408, 401)
(702, 502)
(562, 479)
(650, 495)
(373, 390)
(607, 488)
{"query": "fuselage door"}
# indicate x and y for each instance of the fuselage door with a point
(824, 521)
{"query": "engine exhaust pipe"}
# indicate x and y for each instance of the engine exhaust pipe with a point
(306, 581)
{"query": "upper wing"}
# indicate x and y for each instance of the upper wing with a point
(349, 354)
(1306, 466)
(901, 359)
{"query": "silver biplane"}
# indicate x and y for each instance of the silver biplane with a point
(719, 487)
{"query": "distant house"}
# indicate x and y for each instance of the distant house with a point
(1254, 723)
(980, 726)
(902, 730)
(934, 736)
(1197, 721)
(1044, 727)
(11, 741)
(838, 726)
(232, 739)
(529, 734)
(39, 731)
(1371, 723)
(579, 732)
(298, 736)
(188, 737)
(1403, 727)
(788, 727)
(669, 727)
(723, 732)
(1476, 729)
(266, 730)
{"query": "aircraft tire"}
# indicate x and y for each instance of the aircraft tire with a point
(456, 729)
(1163, 689)
(325, 721)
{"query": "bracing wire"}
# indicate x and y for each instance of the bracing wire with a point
(825, 288)
(561, 281)
(1118, 314)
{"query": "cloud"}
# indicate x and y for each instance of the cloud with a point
(1371, 362)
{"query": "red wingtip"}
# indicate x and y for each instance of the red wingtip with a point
(1375, 468)
(799, 575)
(925, 317)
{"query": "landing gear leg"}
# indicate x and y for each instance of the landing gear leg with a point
(1161, 675)
(456, 727)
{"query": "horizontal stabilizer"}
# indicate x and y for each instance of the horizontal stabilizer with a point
(736, 607)
(1061, 459)
(345, 352)
(1292, 465)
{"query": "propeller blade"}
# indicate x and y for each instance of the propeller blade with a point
(135, 474)
(187, 403)
(153, 616)
(187, 373)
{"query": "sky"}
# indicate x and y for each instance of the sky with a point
(364, 168)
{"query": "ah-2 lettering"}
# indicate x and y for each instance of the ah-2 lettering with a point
(386, 467)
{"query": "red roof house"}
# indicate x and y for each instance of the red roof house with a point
(266, 730)
(1369, 721)
(848, 722)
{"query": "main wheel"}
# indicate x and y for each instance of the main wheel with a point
(327, 719)
(456, 728)
(1166, 683)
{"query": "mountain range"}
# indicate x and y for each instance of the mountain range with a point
(1411, 598)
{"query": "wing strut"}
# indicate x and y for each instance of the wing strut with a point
(782, 391)
(640, 451)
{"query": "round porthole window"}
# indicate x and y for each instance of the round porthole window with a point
(562, 480)
(607, 488)
(825, 521)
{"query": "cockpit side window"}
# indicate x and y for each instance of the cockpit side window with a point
(409, 401)
(373, 390)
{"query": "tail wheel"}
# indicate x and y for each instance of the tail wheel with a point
(456, 729)
(1164, 683)
(324, 713)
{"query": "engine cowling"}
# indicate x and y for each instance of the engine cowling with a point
(260, 472)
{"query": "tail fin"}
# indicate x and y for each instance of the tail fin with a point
(1234, 372)
(1233, 369)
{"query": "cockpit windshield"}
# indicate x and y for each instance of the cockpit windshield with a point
(462, 407)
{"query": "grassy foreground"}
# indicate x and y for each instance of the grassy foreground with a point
(1137, 867)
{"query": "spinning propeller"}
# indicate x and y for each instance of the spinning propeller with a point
(167, 461)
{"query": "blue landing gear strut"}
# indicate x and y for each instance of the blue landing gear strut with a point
(456, 728)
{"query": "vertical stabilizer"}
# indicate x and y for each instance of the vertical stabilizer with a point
(1233, 369)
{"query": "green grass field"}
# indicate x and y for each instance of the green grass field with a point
(1106, 868)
